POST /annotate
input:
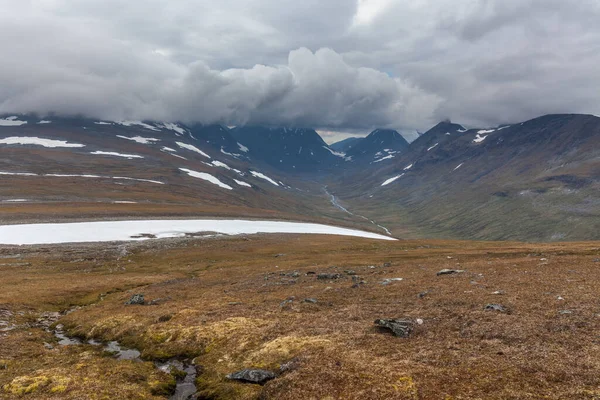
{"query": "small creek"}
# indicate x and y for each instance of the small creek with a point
(186, 387)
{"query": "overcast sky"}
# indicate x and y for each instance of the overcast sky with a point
(336, 65)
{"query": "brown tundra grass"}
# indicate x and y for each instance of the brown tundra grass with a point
(221, 305)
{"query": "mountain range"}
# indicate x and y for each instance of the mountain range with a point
(536, 180)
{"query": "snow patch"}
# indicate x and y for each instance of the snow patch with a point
(43, 122)
(115, 154)
(175, 128)
(138, 123)
(11, 121)
(102, 123)
(139, 139)
(206, 177)
(243, 148)
(408, 167)
(192, 148)
(433, 147)
(242, 183)
(107, 231)
(390, 156)
(263, 176)
(36, 141)
(81, 176)
(395, 178)
(458, 166)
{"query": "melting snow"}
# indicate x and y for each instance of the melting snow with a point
(433, 147)
(242, 183)
(11, 121)
(115, 154)
(38, 142)
(140, 139)
(408, 167)
(243, 148)
(392, 179)
(106, 231)
(263, 176)
(192, 148)
(206, 177)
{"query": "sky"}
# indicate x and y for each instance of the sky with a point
(343, 67)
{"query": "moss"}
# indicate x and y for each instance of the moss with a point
(163, 388)
(27, 384)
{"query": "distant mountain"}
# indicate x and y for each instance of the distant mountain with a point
(289, 149)
(344, 145)
(220, 138)
(380, 145)
(536, 180)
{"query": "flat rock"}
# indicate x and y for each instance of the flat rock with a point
(399, 327)
(450, 271)
(257, 376)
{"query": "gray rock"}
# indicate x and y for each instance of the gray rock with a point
(136, 299)
(387, 265)
(258, 376)
(350, 272)
(449, 271)
(495, 307)
(423, 294)
(48, 346)
(311, 300)
(387, 281)
(328, 277)
(399, 327)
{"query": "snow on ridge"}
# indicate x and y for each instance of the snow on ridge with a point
(138, 123)
(36, 141)
(174, 127)
(108, 231)
(206, 177)
(115, 154)
(335, 153)
(11, 121)
(242, 183)
(139, 139)
(393, 179)
(485, 131)
(263, 176)
(192, 148)
(243, 148)
(408, 167)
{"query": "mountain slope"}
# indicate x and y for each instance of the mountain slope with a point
(532, 181)
(344, 145)
(291, 150)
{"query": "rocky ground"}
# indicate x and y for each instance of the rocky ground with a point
(302, 317)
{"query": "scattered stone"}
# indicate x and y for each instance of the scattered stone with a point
(311, 273)
(294, 274)
(235, 303)
(279, 255)
(495, 307)
(48, 346)
(287, 302)
(350, 272)
(399, 327)
(559, 298)
(565, 312)
(387, 264)
(310, 300)
(328, 277)
(136, 299)
(447, 271)
(596, 260)
(419, 321)
(499, 292)
(386, 282)
(423, 294)
(257, 376)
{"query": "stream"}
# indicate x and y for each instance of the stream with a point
(186, 387)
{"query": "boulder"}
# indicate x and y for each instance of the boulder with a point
(449, 271)
(257, 376)
(399, 327)
(136, 299)
(495, 307)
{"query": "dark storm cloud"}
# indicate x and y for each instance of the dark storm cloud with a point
(335, 65)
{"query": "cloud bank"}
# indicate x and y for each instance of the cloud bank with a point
(335, 65)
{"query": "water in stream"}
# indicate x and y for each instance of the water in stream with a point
(185, 389)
